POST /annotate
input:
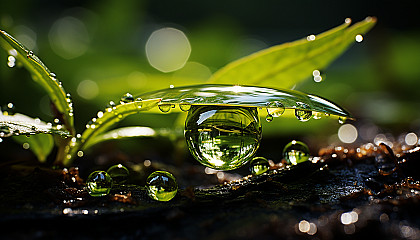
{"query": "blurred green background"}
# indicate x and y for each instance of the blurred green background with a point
(98, 50)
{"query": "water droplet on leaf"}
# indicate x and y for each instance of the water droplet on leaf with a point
(342, 120)
(301, 113)
(269, 118)
(165, 107)
(139, 102)
(127, 98)
(296, 152)
(317, 115)
(161, 186)
(99, 184)
(222, 137)
(118, 173)
(185, 107)
(30, 54)
(110, 106)
(259, 165)
(275, 109)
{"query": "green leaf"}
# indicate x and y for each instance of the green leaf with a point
(130, 132)
(284, 65)
(43, 76)
(245, 96)
(113, 114)
(40, 144)
(34, 133)
(18, 124)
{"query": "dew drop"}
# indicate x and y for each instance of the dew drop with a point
(11, 61)
(118, 173)
(275, 109)
(296, 152)
(311, 37)
(359, 38)
(165, 107)
(80, 153)
(317, 115)
(185, 107)
(269, 118)
(259, 165)
(99, 184)
(53, 75)
(30, 54)
(342, 120)
(161, 186)
(127, 98)
(139, 102)
(222, 137)
(110, 106)
(302, 114)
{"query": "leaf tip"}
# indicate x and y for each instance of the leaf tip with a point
(371, 19)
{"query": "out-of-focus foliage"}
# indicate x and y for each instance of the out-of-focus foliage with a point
(375, 80)
(286, 65)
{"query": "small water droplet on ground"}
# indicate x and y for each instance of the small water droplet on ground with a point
(99, 184)
(259, 165)
(161, 186)
(296, 152)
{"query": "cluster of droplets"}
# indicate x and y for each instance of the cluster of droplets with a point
(294, 152)
(111, 107)
(160, 185)
(227, 137)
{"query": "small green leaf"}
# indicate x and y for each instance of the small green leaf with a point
(284, 65)
(113, 114)
(43, 76)
(18, 124)
(40, 144)
(129, 132)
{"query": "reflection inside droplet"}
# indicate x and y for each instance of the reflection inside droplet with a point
(161, 186)
(259, 165)
(296, 152)
(222, 137)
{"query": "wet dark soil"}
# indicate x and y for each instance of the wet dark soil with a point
(325, 199)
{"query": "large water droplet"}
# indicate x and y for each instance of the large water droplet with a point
(165, 107)
(127, 98)
(259, 165)
(301, 113)
(161, 186)
(99, 184)
(222, 137)
(296, 152)
(118, 173)
(275, 109)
